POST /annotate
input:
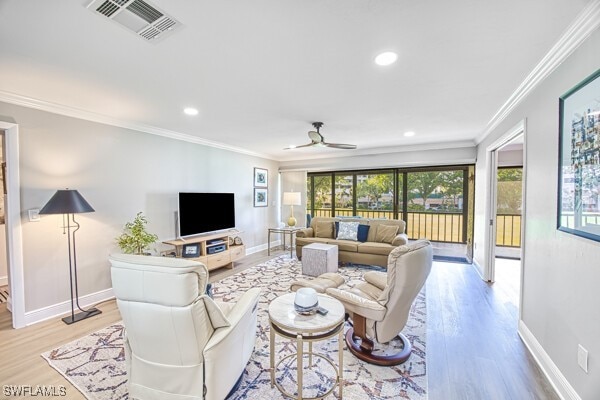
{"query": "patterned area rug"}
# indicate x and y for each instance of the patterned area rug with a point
(95, 364)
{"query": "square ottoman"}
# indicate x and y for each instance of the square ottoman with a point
(319, 258)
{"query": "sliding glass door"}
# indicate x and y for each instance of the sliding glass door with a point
(435, 208)
(430, 200)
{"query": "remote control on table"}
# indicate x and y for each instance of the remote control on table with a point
(322, 311)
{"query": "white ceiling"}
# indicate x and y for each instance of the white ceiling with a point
(261, 71)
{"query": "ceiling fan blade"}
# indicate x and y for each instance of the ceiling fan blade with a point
(317, 140)
(298, 147)
(340, 146)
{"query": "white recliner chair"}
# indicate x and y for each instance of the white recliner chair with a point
(380, 306)
(180, 344)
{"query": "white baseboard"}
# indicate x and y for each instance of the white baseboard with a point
(262, 247)
(3, 280)
(555, 377)
(55, 310)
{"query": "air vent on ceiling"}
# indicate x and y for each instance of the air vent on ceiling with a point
(137, 16)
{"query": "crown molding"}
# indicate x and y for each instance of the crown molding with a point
(55, 108)
(580, 29)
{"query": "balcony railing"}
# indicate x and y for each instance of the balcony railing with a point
(508, 230)
(435, 226)
(446, 226)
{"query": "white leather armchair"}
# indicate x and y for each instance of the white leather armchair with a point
(380, 306)
(180, 344)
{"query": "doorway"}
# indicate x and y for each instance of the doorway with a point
(506, 212)
(4, 294)
(14, 244)
(509, 202)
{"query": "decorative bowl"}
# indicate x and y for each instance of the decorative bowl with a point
(306, 301)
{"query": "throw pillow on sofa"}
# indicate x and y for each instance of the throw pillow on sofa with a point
(386, 233)
(324, 229)
(363, 231)
(348, 231)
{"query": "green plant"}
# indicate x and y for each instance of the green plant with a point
(135, 239)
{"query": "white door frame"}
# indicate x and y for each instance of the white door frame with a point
(491, 203)
(490, 219)
(14, 238)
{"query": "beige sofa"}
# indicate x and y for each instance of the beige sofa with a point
(381, 239)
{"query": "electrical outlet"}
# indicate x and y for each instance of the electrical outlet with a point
(582, 358)
(34, 215)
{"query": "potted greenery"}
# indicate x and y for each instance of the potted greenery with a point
(135, 239)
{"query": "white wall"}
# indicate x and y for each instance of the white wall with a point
(561, 272)
(119, 172)
(510, 158)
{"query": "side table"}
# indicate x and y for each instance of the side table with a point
(319, 258)
(288, 230)
(286, 322)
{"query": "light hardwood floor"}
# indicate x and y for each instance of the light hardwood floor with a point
(473, 350)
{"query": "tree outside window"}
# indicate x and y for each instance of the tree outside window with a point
(435, 191)
(343, 195)
(510, 189)
(375, 192)
(322, 196)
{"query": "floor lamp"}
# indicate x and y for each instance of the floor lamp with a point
(70, 202)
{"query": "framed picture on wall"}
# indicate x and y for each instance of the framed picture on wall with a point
(579, 159)
(261, 177)
(260, 197)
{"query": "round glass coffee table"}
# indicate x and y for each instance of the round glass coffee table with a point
(286, 322)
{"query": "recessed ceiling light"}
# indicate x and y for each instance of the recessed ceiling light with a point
(292, 146)
(409, 134)
(386, 58)
(190, 111)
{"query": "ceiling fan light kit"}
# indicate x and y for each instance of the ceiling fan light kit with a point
(317, 140)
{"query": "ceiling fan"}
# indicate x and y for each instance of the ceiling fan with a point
(319, 141)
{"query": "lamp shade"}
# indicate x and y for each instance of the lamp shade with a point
(292, 199)
(66, 202)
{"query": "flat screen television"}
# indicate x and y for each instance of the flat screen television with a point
(205, 212)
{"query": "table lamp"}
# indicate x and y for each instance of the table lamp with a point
(70, 202)
(292, 199)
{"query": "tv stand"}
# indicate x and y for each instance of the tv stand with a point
(224, 258)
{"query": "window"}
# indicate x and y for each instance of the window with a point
(430, 200)
(508, 214)
(375, 195)
(322, 199)
(435, 205)
(343, 195)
